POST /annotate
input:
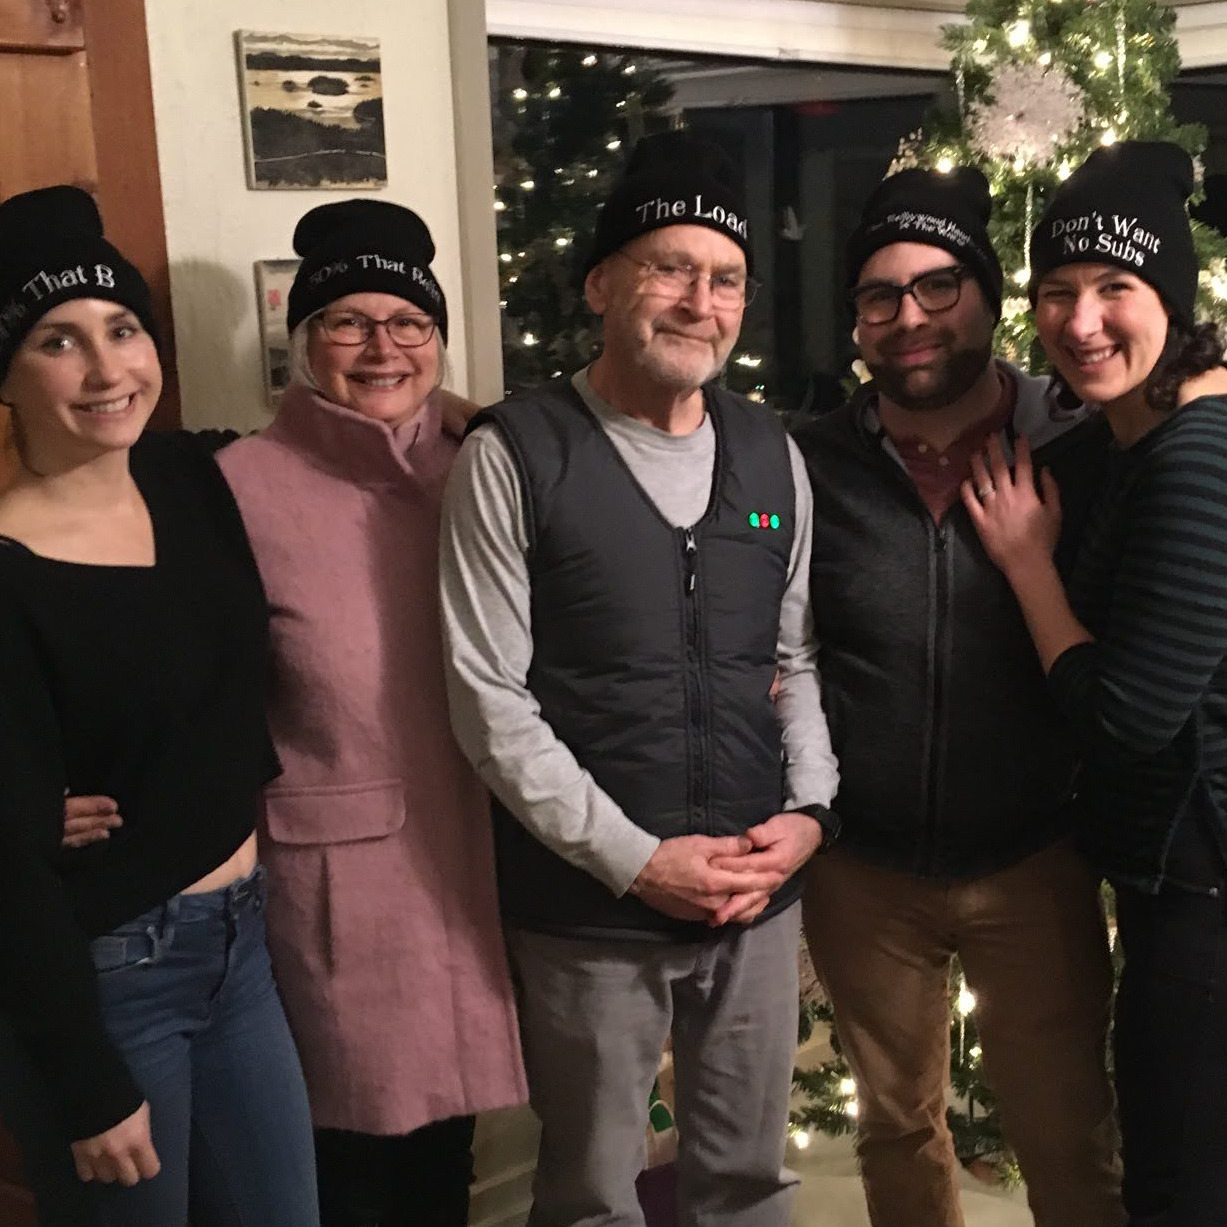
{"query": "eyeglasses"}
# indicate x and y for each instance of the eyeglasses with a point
(353, 328)
(679, 280)
(939, 290)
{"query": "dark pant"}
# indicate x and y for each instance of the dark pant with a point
(1171, 1057)
(420, 1178)
(188, 998)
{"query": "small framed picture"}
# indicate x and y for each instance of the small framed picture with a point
(312, 111)
(273, 281)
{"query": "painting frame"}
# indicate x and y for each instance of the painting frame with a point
(312, 111)
(273, 281)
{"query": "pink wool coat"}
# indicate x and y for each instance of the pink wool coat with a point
(382, 915)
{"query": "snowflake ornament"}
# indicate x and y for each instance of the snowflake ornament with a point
(1028, 113)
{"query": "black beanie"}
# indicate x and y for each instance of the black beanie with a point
(357, 246)
(673, 179)
(946, 209)
(1125, 205)
(52, 251)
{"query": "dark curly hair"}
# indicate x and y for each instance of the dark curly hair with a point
(1186, 353)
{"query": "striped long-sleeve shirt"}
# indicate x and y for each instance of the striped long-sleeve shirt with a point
(1148, 698)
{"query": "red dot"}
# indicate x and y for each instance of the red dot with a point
(763, 521)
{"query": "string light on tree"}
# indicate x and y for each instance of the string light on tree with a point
(966, 999)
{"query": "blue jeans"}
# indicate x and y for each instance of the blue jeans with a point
(188, 998)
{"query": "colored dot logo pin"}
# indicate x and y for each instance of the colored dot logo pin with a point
(763, 519)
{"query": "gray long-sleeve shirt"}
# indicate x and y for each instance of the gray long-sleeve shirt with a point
(486, 604)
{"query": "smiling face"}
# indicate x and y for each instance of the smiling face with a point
(378, 379)
(1102, 328)
(924, 360)
(84, 381)
(674, 343)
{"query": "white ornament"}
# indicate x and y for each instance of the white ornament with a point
(1029, 111)
(1012, 308)
(1214, 277)
(905, 155)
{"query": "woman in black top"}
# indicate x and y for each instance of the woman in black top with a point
(141, 1039)
(1136, 654)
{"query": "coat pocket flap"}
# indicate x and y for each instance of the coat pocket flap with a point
(334, 814)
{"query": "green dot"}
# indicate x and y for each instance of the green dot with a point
(753, 519)
(775, 521)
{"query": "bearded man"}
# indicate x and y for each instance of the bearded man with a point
(957, 777)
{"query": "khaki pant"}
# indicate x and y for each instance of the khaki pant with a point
(1033, 946)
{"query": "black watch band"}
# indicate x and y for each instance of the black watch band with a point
(827, 819)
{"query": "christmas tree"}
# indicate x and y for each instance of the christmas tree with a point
(564, 120)
(1037, 85)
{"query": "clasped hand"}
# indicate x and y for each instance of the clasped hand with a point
(718, 879)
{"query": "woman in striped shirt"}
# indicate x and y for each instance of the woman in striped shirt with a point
(1136, 650)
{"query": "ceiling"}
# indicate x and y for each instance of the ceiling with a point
(956, 6)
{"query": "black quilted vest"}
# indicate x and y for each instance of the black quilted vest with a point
(654, 647)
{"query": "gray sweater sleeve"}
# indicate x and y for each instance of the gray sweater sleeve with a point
(487, 629)
(812, 775)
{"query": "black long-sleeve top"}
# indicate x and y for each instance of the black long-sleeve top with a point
(146, 684)
(1149, 696)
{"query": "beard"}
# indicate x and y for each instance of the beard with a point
(935, 386)
(681, 370)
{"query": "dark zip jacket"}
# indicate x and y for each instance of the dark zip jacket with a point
(654, 647)
(954, 761)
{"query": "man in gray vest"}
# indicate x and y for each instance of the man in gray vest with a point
(624, 565)
(956, 773)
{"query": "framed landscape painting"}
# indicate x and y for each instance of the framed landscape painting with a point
(312, 111)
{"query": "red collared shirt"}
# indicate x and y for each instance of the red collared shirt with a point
(938, 475)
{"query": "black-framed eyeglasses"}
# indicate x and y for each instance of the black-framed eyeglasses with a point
(731, 289)
(878, 302)
(404, 329)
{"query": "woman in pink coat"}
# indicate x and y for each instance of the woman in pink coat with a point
(382, 915)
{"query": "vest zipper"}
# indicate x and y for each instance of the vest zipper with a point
(696, 733)
(936, 747)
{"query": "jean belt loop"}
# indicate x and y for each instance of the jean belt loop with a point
(163, 933)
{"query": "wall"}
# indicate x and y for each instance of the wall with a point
(216, 228)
